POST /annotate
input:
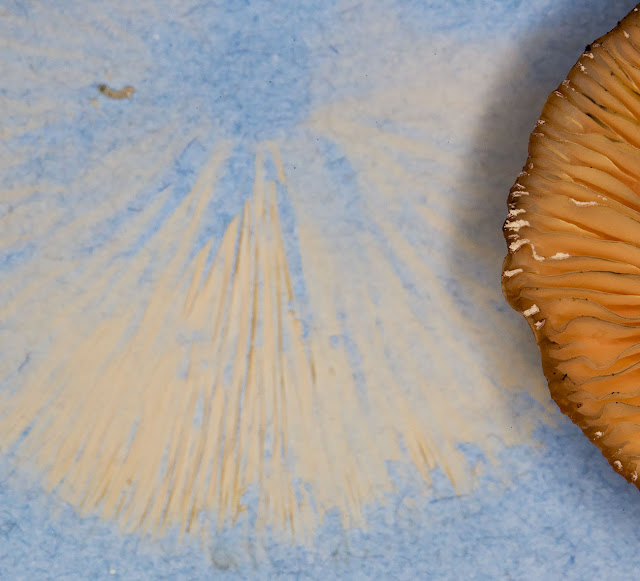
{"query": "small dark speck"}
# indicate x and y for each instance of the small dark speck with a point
(25, 362)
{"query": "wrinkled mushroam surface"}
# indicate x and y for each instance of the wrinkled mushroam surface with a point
(573, 235)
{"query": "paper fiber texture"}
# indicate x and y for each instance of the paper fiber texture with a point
(251, 311)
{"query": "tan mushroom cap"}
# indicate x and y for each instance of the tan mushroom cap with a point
(573, 234)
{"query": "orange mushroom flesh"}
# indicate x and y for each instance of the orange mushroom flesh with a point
(573, 235)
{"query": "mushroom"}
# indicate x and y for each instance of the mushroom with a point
(573, 238)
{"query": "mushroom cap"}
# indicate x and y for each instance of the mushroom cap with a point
(573, 238)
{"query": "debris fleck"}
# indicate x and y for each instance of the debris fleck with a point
(124, 93)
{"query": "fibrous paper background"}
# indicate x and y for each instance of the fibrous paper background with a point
(251, 320)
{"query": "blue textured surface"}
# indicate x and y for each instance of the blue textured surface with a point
(565, 515)
(255, 70)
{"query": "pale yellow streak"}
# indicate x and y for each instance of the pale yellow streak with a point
(27, 49)
(60, 22)
(18, 194)
(97, 273)
(375, 160)
(29, 126)
(112, 412)
(223, 268)
(114, 162)
(239, 327)
(67, 235)
(408, 254)
(344, 117)
(29, 117)
(132, 42)
(96, 387)
(433, 220)
(356, 138)
(96, 265)
(272, 147)
(395, 411)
